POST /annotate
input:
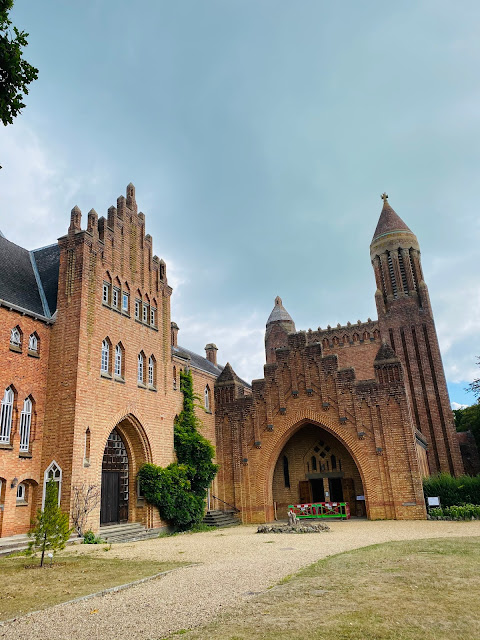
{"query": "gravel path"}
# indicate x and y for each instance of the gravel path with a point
(235, 564)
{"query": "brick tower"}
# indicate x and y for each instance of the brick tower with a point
(406, 322)
(279, 325)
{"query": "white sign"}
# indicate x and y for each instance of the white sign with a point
(433, 501)
(360, 497)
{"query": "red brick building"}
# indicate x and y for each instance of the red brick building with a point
(90, 385)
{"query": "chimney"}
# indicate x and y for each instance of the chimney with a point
(174, 329)
(211, 352)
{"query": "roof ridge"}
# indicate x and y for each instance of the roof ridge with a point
(41, 291)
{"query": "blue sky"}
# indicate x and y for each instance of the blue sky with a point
(259, 135)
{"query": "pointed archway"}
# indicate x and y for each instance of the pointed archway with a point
(126, 449)
(315, 466)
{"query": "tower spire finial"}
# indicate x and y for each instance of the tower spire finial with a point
(384, 197)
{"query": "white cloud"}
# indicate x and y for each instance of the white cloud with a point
(456, 405)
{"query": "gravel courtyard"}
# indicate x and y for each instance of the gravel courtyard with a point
(233, 564)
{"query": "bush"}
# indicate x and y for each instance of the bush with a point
(456, 512)
(90, 538)
(179, 490)
(453, 491)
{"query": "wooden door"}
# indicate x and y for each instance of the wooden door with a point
(110, 502)
(349, 493)
(304, 491)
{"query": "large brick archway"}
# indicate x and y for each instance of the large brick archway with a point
(297, 423)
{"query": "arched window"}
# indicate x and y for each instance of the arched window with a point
(118, 360)
(52, 472)
(33, 343)
(15, 337)
(141, 368)
(6, 416)
(21, 492)
(174, 378)
(207, 398)
(151, 371)
(314, 463)
(286, 473)
(87, 446)
(105, 356)
(25, 425)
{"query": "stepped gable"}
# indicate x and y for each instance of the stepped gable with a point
(229, 375)
(18, 284)
(389, 221)
(386, 354)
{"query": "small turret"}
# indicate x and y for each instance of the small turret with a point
(279, 325)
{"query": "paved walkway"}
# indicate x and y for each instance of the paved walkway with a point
(235, 564)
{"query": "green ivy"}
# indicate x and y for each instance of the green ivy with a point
(180, 490)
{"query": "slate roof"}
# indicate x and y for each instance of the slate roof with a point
(203, 364)
(279, 313)
(47, 260)
(29, 279)
(389, 221)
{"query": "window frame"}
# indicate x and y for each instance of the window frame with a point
(106, 293)
(125, 296)
(153, 317)
(151, 372)
(105, 359)
(141, 368)
(118, 361)
(6, 415)
(33, 340)
(26, 425)
(115, 297)
(22, 489)
(145, 313)
(138, 304)
(17, 342)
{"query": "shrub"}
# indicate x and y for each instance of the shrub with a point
(453, 491)
(179, 490)
(90, 538)
(456, 512)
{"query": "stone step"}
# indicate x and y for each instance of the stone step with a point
(9, 545)
(216, 518)
(128, 532)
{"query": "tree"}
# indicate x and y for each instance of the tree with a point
(50, 531)
(474, 387)
(15, 72)
(468, 419)
(85, 499)
(179, 491)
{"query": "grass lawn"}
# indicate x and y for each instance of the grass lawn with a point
(25, 587)
(419, 590)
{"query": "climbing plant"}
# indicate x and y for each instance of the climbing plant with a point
(179, 490)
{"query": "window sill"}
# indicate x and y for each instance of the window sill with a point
(152, 388)
(125, 313)
(119, 379)
(105, 304)
(105, 374)
(22, 503)
(33, 354)
(116, 309)
(14, 347)
(208, 411)
(86, 463)
(140, 385)
(6, 445)
(24, 454)
(140, 502)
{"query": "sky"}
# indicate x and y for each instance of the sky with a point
(259, 135)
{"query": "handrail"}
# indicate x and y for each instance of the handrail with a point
(227, 503)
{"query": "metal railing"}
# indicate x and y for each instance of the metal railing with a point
(227, 503)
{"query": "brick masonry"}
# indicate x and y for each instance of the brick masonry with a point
(373, 392)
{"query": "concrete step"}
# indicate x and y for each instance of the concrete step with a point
(216, 518)
(14, 544)
(128, 532)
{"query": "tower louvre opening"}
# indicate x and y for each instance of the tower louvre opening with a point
(392, 275)
(402, 271)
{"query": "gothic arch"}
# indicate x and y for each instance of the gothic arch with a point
(322, 420)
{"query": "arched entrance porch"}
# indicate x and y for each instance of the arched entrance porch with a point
(315, 466)
(126, 449)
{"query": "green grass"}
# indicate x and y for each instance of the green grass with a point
(419, 590)
(26, 587)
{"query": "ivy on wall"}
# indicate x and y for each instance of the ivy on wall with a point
(179, 491)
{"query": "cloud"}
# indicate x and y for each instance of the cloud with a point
(456, 405)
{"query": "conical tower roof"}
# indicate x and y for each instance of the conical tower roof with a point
(279, 313)
(389, 221)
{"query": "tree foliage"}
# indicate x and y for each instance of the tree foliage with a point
(179, 490)
(468, 419)
(474, 387)
(15, 72)
(50, 531)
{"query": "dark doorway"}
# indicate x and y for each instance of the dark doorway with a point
(318, 492)
(336, 490)
(114, 500)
